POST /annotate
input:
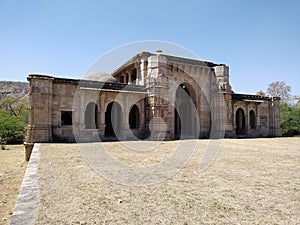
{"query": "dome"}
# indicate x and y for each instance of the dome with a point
(100, 76)
(111, 80)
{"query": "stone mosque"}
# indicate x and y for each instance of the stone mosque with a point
(152, 96)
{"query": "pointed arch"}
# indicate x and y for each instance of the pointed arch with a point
(134, 117)
(91, 116)
(113, 119)
(252, 119)
(185, 113)
(240, 121)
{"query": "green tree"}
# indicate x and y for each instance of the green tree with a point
(13, 105)
(289, 111)
(12, 128)
(298, 104)
(13, 120)
(289, 120)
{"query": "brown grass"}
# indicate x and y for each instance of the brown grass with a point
(252, 181)
(12, 168)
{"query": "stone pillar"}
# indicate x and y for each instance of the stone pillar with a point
(125, 78)
(157, 90)
(126, 110)
(102, 110)
(229, 110)
(271, 117)
(274, 115)
(142, 115)
(218, 114)
(138, 74)
(28, 150)
(247, 125)
(277, 116)
(80, 108)
(222, 73)
(40, 111)
(129, 77)
(142, 72)
(256, 115)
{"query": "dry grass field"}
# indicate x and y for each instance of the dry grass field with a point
(12, 168)
(251, 181)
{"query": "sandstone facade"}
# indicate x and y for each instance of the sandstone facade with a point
(151, 96)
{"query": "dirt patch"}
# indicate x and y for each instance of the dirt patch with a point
(12, 169)
(252, 181)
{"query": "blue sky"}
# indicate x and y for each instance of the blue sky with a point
(258, 40)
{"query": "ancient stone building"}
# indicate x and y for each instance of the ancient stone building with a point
(152, 96)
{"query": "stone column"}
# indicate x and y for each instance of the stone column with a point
(157, 90)
(274, 117)
(126, 112)
(256, 115)
(82, 111)
(102, 114)
(40, 111)
(142, 69)
(129, 77)
(233, 117)
(125, 78)
(40, 115)
(28, 150)
(277, 117)
(247, 125)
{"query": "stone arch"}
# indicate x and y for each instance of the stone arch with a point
(185, 113)
(252, 119)
(113, 119)
(240, 121)
(91, 116)
(134, 117)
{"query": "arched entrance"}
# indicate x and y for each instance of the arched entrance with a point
(91, 116)
(252, 119)
(134, 121)
(240, 122)
(185, 114)
(113, 119)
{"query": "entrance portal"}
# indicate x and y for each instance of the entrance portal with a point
(113, 119)
(240, 122)
(185, 114)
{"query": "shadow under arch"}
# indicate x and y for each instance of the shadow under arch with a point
(240, 121)
(186, 122)
(113, 120)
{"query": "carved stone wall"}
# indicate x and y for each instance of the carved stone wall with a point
(59, 108)
(40, 109)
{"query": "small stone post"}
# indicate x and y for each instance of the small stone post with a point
(28, 150)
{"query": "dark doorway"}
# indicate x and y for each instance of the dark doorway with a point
(252, 120)
(134, 117)
(113, 119)
(184, 114)
(177, 124)
(91, 116)
(240, 122)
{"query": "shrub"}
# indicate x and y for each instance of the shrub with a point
(289, 120)
(12, 128)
